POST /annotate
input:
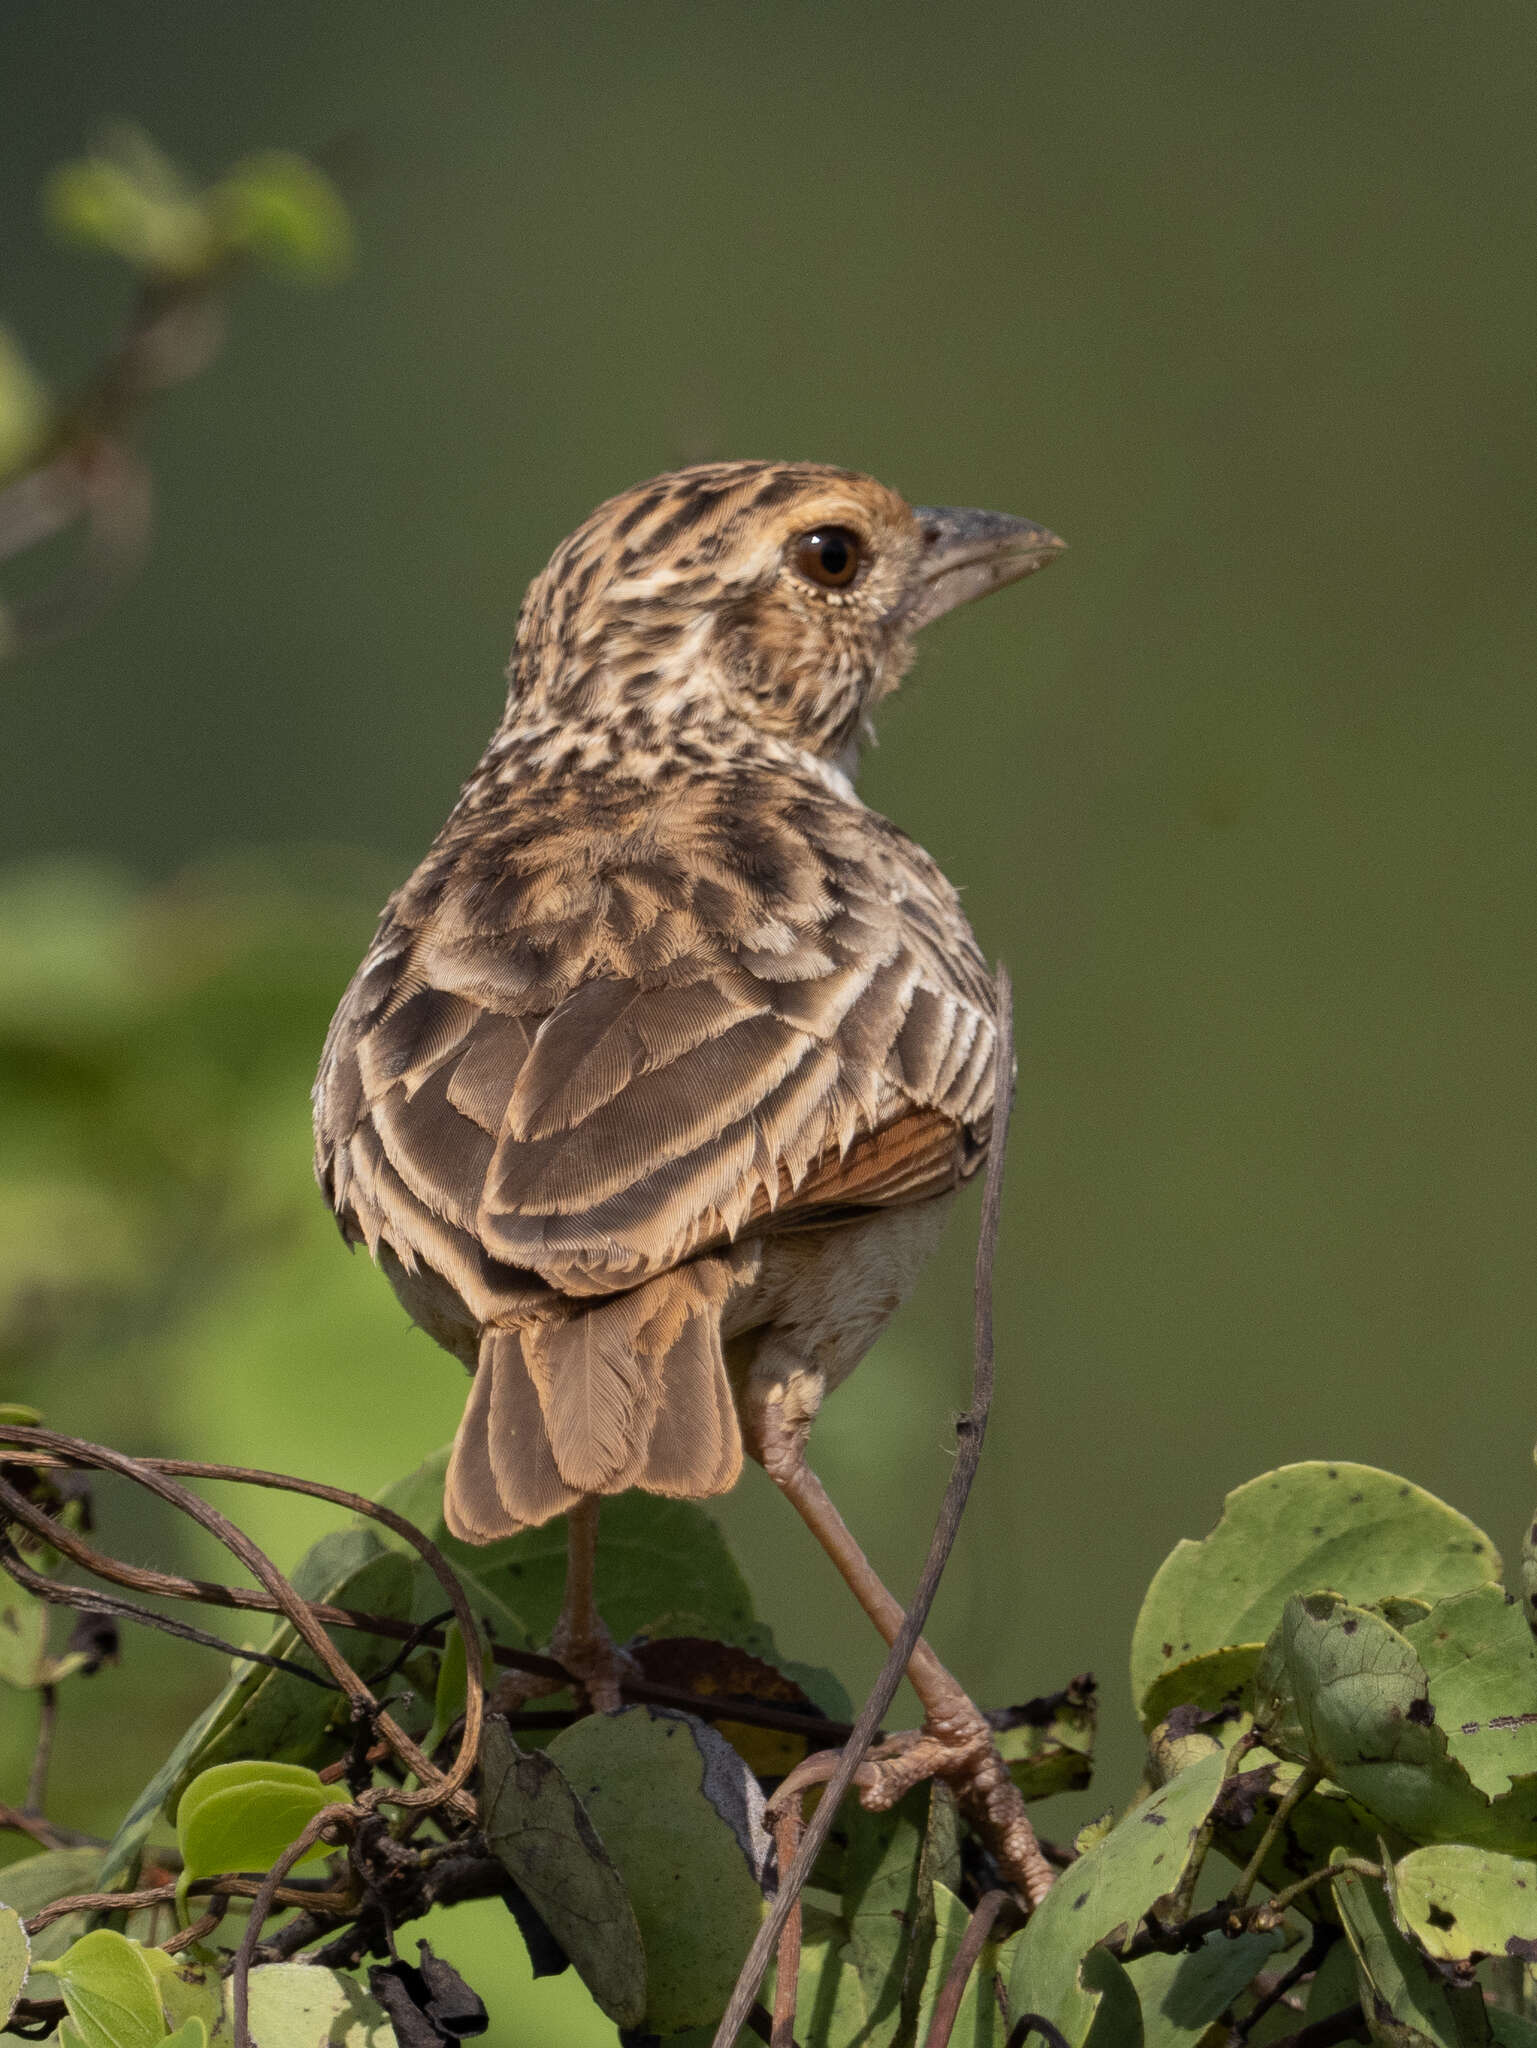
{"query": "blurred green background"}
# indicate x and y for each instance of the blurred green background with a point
(1241, 300)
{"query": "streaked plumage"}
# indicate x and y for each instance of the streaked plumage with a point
(654, 1084)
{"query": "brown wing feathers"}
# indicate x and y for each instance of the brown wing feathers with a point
(560, 1102)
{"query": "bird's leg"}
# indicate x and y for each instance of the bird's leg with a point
(581, 1642)
(955, 1742)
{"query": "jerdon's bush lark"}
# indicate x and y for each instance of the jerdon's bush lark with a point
(655, 1085)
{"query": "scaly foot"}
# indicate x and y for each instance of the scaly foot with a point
(957, 1746)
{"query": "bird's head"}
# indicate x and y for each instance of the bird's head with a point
(785, 595)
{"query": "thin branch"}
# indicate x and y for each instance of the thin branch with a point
(1298, 1790)
(263, 1901)
(229, 1885)
(948, 2004)
(439, 1788)
(83, 1601)
(818, 1730)
(46, 1833)
(787, 1834)
(971, 1429)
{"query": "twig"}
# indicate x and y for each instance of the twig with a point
(438, 1788)
(83, 1601)
(46, 1833)
(817, 1729)
(37, 1778)
(1324, 1937)
(265, 1897)
(229, 1885)
(787, 1966)
(970, 1432)
(1291, 1798)
(948, 2004)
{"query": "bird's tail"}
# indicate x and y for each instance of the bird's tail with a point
(629, 1392)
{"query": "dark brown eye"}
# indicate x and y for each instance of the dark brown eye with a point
(830, 556)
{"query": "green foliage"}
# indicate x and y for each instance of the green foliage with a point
(129, 199)
(680, 1815)
(243, 1816)
(1368, 1765)
(15, 1960)
(537, 1827)
(110, 1991)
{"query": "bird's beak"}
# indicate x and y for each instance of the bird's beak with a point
(966, 554)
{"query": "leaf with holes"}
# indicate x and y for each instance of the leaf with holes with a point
(1103, 1896)
(1363, 1532)
(1342, 1689)
(1395, 1983)
(1459, 1902)
(1481, 1661)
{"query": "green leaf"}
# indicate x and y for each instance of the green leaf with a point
(1460, 1902)
(36, 1881)
(295, 2005)
(1364, 1532)
(890, 1867)
(1180, 1995)
(243, 1816)
(539, 1830)
(663, 1568)
(15, 1960)
(109, 1991)
(1117, 2022)
(187, 1989)
(1395, 1984)
(1481, 1662)
(681, 1816)
(1048, 1744)
(1104, 1894)
(130, 200)
(279, 207)
(190, 2034)
(23, 1636)
(1341, 1688)
(1215, 1681)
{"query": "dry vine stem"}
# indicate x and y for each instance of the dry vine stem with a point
(75, 1453)
(438, 1788)
(970, 1430)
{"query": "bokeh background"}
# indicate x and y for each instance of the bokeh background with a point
(1242, 301)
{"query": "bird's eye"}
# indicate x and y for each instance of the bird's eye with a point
(830, 556)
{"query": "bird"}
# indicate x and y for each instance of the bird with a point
(654, 1088)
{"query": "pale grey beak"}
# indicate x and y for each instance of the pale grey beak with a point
(966, 554)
